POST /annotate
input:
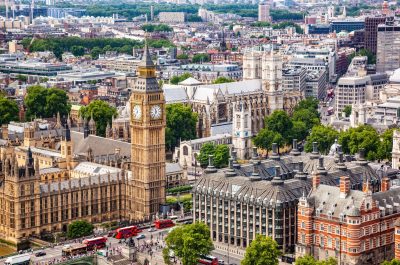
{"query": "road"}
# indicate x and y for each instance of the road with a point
(54, 254)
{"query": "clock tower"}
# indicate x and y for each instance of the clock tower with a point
(147, 186)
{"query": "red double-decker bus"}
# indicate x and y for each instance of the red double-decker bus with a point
(208, 260)
(160, 224)
(126, 232)
(95, 243)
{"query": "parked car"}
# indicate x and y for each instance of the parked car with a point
(40, 254)
(140, 236)
(151, 229)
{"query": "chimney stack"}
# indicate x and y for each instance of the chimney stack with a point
(385, 184)
(344, 186)
(316, 180)
(295, 151)
(275, 155)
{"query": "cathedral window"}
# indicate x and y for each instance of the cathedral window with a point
(246, 121)
(238, 121)
(185, 151)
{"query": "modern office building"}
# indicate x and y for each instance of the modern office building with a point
(347, 25)
(34, 68)
(388, 46)
(294, 79)
(371, 32)
(263, 12)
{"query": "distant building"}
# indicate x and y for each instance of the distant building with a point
(371, 30)
(346, 25)
(172, 17)
(294, 79)
(388, 46)
(34, 68)
(316, 84)
(263, 12)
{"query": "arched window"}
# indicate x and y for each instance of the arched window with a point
(185, 151)
(238, 121)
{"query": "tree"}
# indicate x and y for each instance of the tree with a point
(79, 228)
(102, 114)
(364, 136)
(386, 145)
(264, 139)
(179, 78)
(299, 130)
(205, 151)
(201, 58)
(46, 102)
(182, 56)
(78, 50)
(223, 79)
(262, 251)
(325, 136)
(392, 262)
(347, 110)
(22, 78)
(8, 110)
(310, 260)
(281, 123)
(188, 242)
(181, 124)
(309, 103)
(221, 155)
(95, 52)
(307, 116)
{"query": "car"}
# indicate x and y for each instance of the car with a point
(40, 254)
(221, 262)
(151, 229)
(140, 236)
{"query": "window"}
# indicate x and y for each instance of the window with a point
(237, 121)
(185, 151)
(303, 225)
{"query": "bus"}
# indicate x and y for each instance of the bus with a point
(95, 243)
(208, 260)
(126, 232)
(73, 249)
(23, 259)
(173, 217)
(160, 224)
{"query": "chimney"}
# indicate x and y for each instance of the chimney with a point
(275, 155)
(344, 186)
(315, 153)
(385, 184)
(316, 180)
(361, 157)
(295, 151)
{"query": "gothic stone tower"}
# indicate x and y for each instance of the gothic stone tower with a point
(272, 79)
(147, 142)
(241, 135)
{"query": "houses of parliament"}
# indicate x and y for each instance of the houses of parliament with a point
(53, 176)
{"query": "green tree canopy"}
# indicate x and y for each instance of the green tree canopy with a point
(262, 251)
(307, 116)
(156, 28)
(179, 78)
(223, 79)
(264, 139)
(78, 50)
(79, 228)
(22, 78)
(347, 110)
(325, 136)
(8, 110)
(280, 122)
(219, 152)
(392, 262)
(182, 56)
(221, 155)
(310, 260)
(189, 242)
(363, 136)
(201, 58)
(102, 114)
(181, 124)
(46, 102)
(386, 145)
(299, 130)
(309, 103)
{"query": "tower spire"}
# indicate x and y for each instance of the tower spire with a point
(146, 59)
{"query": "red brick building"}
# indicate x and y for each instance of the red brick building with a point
(355, 227)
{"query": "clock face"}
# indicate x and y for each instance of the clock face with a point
(156, 112)
(137, 112)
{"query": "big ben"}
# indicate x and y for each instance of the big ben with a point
(147, 189)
